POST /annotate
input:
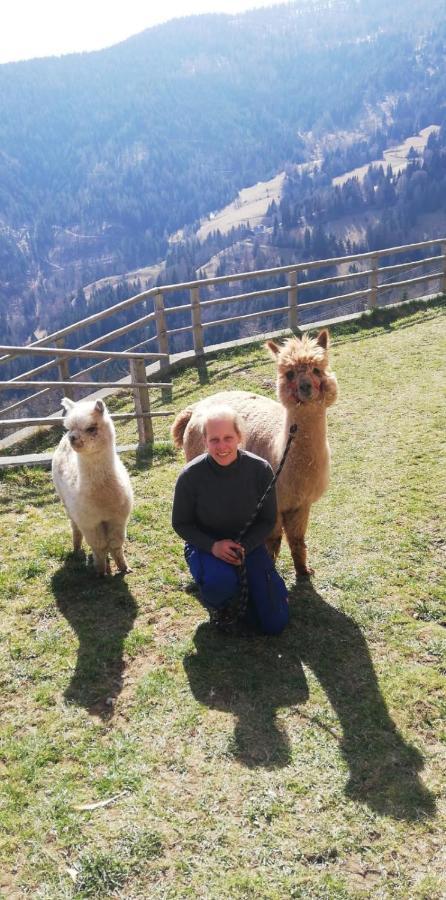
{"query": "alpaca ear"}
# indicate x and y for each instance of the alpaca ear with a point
(273, 348)
(323, 339)
(67, 404)
(100, 407)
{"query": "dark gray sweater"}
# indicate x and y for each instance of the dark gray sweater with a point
(214, 502)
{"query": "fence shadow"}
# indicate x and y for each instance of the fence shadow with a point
(252, 678)
(101, 612)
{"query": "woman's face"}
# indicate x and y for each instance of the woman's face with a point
(222, 441)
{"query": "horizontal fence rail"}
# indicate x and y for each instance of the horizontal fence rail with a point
(97, 354)
(138, 385)
(58, 420)
(375, 280)
(13, 385)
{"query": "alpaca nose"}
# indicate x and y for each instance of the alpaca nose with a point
(72, 438)
(305, 387)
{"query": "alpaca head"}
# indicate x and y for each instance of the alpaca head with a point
(89, 426)
(303, 375)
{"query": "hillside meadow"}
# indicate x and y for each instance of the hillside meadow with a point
(143, 755)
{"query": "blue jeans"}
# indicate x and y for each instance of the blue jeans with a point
(218, 582)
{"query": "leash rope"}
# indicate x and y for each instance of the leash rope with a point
(225, 619)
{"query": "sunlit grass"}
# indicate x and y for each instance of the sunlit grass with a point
(306, 766)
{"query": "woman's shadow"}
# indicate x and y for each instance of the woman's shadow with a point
(252, 679)
(101, 612)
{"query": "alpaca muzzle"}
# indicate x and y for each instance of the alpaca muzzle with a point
(75, 441)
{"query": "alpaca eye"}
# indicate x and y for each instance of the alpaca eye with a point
(316, 371)
(92, 429)
(290, 375)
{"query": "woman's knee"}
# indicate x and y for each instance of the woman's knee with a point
(276, 622)
(217, 580)
(220, 581)
(217, 574)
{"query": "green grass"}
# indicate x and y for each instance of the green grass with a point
(306, 766)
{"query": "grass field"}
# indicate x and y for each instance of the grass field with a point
(142, 755)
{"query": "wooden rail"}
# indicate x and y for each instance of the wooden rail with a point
(58, 420)
(91, 385)
(295, 278)
(138, 384)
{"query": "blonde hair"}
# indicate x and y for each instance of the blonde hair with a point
(223, 411)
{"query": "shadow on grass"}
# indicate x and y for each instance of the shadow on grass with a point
(101, 612)
(45, 439)
(24, 485)
(146, 457)
(252, 678)
(383, 767)
(384, 317)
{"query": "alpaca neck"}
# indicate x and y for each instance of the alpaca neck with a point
(308, 418)
(100, 465)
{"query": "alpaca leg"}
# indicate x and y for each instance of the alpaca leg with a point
(295, 524)
(97, 539)
(101, 562)
(274, 540)
(116, 538)
(77, 536)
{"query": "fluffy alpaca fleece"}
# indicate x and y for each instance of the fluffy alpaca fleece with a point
(92, 482)
(305, 388)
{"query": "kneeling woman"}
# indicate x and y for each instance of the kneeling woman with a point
(215, 495)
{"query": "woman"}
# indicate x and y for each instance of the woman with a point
(215, 495)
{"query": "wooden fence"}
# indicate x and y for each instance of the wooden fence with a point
(137, 384)
(367, 269)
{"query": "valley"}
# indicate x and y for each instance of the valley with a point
(233, 142)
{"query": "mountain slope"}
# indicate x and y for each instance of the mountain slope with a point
(102, 155)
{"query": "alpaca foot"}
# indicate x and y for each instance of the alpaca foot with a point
(121, 561)
(102, 566)
(304, 571)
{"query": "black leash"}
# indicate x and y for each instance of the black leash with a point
(225, 619)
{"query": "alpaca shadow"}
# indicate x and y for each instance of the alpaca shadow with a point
(101, 612)
(249, 678)
(383, 767)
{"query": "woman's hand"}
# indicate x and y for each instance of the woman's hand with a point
(229, 551)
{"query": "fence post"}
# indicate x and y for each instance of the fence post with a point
(142, 402)
(196, 321)
(443, 280)
(373, 294)
(64, 370)
(292, 301)
(163, 343)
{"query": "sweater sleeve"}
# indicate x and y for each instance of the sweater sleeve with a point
(183, 514)
(266, 519)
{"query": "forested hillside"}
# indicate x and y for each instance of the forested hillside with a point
(104, 155)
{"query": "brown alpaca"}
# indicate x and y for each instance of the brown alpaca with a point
(305, 388)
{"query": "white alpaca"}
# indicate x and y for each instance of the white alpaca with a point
(92, 482)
